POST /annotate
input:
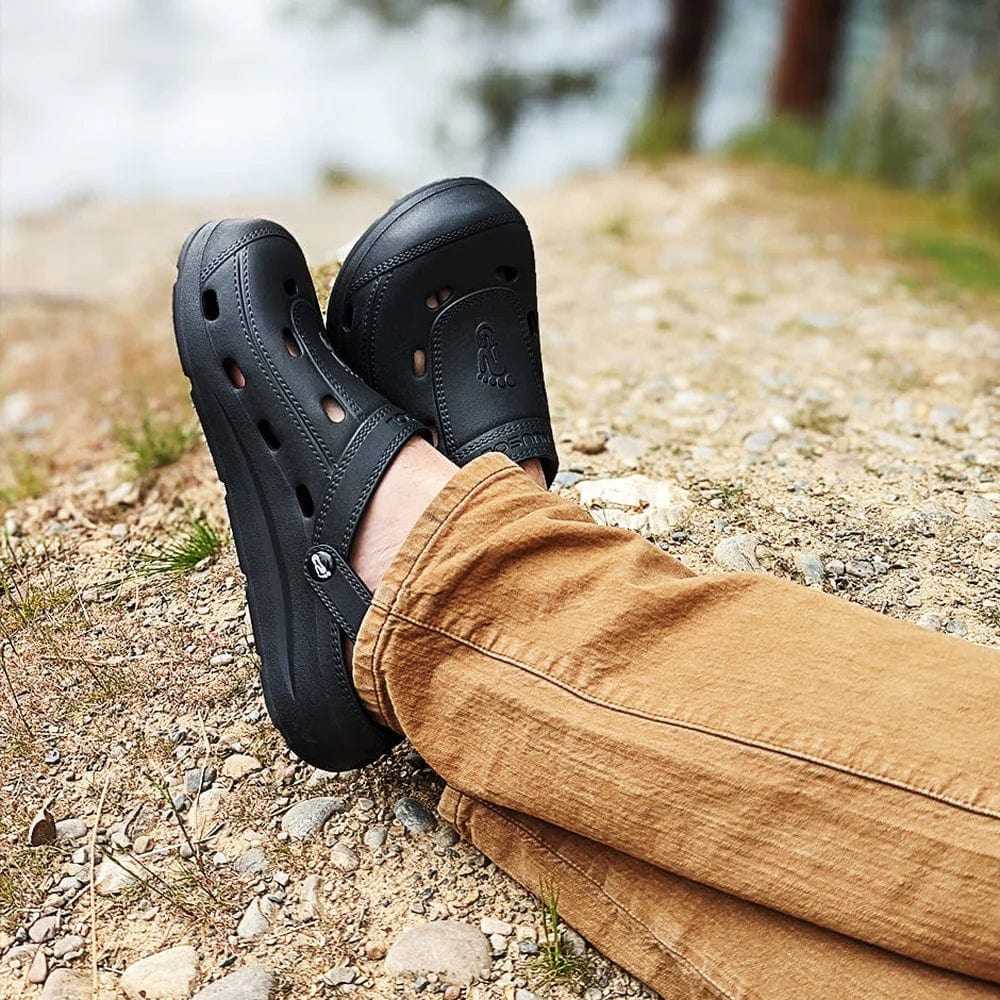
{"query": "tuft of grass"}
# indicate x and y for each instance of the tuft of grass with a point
(732, 493)
(817, 417)
(23, 871)
(155, 442)
(182, 554)
(27, 597)
(558, 965)
(974, 265)
(26, 479)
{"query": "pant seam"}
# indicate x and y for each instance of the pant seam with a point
(703, 729)
(670, 949)
(386, 711)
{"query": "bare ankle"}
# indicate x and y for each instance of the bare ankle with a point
(415, 477)
(534, 469)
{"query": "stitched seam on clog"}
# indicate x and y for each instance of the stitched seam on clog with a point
(378, 470)
(360, 435)
(441, 240)
(287, 398)
(245, 240)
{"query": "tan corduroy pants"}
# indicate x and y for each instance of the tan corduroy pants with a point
(739, 786)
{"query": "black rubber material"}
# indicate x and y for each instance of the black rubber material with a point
(296, 481)
(483, 389)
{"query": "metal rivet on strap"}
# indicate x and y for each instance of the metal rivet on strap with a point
(321, 565)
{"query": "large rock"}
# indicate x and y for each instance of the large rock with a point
(167, 975)
(113, 875)
(254, 982)
(738, 554)
(636, 502)
(256, 919)
(63, 984)
(456, 951)
(307, 818)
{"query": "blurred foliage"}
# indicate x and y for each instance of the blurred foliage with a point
(505, 95)
(971, 265)
(779, 140)
(404, 13)
(983, 190)
(663, 128)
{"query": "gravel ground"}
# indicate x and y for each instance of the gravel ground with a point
(794, 398)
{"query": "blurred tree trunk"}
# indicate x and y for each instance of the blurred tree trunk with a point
(803, 79)
(681, 60)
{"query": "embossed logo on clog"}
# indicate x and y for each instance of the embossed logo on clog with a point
(491, 370)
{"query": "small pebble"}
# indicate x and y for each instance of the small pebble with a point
(197, 779)
(71, 829)
(374, 837)
(239, 765)
(344, 858)
(415, 817)
(490, 926)
(340, 975)
(39, 968)
(67, 945)
(42, 929)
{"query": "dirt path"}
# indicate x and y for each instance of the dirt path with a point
(822, 411)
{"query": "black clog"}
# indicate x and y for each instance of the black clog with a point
(300, 443)
(435, 308)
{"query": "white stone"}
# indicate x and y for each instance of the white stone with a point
(63, 984)
(637, 503)
(254, 982)
(981, 509)
(205, 808)
(307, 818)
(167, 975)
(256, 919)
(738, 554)
(309, 896)
(239, 765)
(344, 858)
(111, 876)
(456, 951)
(488, 925)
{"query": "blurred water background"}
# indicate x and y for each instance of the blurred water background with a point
(182, 98)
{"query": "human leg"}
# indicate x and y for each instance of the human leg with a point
(686, 940)
(782, 746)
